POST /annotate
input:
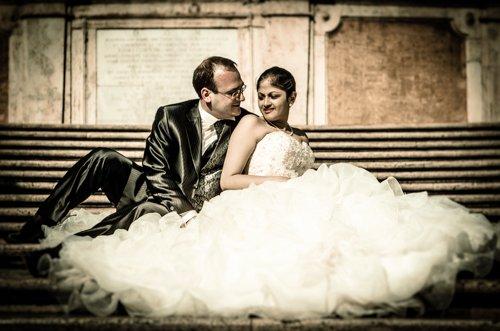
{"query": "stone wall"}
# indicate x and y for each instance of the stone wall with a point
(389, 72)
(491, 69)
(354, 63)
(36, 57)
(4, 75)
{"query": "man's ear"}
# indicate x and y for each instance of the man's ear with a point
(292, 97)
(206, 95)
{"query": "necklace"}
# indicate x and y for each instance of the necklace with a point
(288, 129)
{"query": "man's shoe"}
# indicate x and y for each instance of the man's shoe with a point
(30, 233)
(36, 261)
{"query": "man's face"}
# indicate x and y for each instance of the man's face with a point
(223, 105)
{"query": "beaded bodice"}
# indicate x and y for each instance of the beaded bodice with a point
(279, 154)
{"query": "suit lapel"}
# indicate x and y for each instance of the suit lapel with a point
(193, 134)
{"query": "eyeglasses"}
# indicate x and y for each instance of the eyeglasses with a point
(236, 94)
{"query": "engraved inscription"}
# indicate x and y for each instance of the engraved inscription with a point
(142, 69)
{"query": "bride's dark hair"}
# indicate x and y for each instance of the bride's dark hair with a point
(280, 78)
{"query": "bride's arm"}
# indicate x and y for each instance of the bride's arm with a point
(242, 143)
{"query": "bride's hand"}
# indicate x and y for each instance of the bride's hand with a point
(279, 178)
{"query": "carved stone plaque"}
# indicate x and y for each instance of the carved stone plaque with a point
(139, 70)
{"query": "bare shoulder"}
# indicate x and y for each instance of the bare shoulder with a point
(300, 134)
(252, 125)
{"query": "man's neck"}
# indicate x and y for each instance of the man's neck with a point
(206, 107)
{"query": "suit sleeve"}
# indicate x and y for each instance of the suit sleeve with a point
(159, 176)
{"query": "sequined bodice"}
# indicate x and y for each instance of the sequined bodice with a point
(279, 154)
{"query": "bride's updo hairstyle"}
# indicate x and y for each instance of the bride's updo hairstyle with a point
(280, 78)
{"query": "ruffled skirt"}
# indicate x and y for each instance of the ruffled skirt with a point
(333, 241)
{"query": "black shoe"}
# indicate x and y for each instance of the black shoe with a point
(30, 233)
(33, 260)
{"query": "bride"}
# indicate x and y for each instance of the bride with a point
(282, 240)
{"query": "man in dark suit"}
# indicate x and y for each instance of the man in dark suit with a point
(181, 167)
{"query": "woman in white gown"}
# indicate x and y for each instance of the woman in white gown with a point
(281, 241)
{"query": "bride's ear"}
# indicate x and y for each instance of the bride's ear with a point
(291, 98)
(206, 95)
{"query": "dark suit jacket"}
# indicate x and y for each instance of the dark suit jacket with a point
(172, 159)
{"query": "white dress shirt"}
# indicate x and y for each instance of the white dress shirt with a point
(208, 134)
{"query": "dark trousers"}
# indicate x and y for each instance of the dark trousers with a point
(121, 180)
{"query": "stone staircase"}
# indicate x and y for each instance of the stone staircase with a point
(460, 161)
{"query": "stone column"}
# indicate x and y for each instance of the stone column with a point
(6, 26)
(36, 64)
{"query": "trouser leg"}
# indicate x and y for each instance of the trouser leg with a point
(102, 168)
(123, 218)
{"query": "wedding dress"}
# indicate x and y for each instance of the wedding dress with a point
(327, 241)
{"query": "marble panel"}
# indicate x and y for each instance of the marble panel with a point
(395, 72)
(139, 70)
(285, 43)
(36, 68)
(4, 75)
(491, 71)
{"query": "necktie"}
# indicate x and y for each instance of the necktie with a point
(219, 125)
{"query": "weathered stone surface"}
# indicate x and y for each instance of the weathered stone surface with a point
(395, 72)
(36, 67)
(139, 70)
(4, 75)
(491, 71)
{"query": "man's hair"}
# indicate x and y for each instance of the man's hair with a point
(203, 75)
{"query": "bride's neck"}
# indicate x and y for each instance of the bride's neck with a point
(283, 125)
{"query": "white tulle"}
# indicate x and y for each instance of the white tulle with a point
(332, 241)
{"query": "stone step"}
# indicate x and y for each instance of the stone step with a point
(377, 155)
(447, 165)
(79, 131)
(8, 227)
(103, 127)
(393, 165)
(407, 186)
(45, 174)
(8, 214)
(334, 145)
(14, 279)
(338, 156)
(78, 144)
(96, 199)
(397, 144)
(32, 310)
(30, 211)
(192, 323)
(403, 135)
(58, 310)
(41, 164)
(143, 127)
(74, 135)
(54, 153)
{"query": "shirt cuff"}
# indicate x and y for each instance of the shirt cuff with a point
(188, 215)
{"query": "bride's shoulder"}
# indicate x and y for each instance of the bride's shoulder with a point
(254, 124)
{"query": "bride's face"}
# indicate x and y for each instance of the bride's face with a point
(273, 102)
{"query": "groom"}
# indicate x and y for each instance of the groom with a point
(181, 166)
